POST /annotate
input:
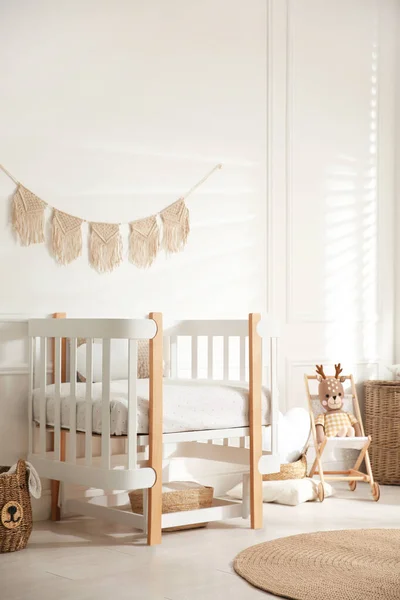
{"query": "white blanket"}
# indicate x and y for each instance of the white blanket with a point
(187, 406)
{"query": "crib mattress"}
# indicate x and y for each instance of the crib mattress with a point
(187, 406)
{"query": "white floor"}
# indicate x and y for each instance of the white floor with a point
(83, 558)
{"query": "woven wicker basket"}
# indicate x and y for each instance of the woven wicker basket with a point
(294, 470)
(382, 422)
(16, 510)
(179, 500)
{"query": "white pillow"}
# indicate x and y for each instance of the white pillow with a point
(289, 491)
(293, 434)
(119, 360)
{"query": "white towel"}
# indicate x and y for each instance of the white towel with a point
(35, 486)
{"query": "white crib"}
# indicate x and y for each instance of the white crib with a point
(53, 449)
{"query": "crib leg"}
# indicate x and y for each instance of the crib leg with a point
(55, 485)
(154, 527)
(255, 349)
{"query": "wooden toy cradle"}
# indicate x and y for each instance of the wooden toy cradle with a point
(352, 476)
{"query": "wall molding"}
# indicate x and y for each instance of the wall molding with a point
(10, 369)
(269, 167)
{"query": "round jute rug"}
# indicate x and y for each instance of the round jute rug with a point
(332, 565)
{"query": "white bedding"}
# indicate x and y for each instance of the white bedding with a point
(187, 405)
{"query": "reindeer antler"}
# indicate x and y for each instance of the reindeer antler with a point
(320, 371)
(338, 370)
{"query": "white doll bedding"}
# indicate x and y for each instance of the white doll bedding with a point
(187, 406)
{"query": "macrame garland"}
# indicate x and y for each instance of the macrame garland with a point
(28, 216)
(66, 237)
(176, 227)
(144, 242)
(105, 249)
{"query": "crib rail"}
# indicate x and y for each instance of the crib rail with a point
(93, 328)
(208, 331)
(56, 331)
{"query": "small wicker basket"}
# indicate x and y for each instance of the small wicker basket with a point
(293, 470)
(191, 497)
(16, 510)
(382, 422)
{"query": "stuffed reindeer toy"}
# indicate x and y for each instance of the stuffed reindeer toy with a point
(334, 422)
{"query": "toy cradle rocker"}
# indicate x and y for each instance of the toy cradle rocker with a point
(336, 428)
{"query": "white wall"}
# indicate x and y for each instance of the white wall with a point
(111, 111)
(332, 111)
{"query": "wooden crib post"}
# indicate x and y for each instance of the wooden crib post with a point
(54, 484)
(156, 432)
(255, 422)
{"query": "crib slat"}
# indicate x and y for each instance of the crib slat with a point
(226, 358)
(194, 357)
(242, 358)
(132, 405)
(32, 341)
(174, 357)
(72, 400)
(57, 397)
(210, 352)
(43, 369)
(105, 412)
(88, 402)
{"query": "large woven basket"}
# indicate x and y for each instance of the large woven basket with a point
(382, 422)
(192, 497)
(293, 470)
(16, 510)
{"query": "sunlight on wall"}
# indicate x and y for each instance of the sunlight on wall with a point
(351, 256)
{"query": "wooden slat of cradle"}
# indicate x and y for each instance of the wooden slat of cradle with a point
(132, 405)
(242, 358)
(43, 370)
(226, 358)
(57, 397)
(174, 356)
(32, 341)
(194, 357)
(105, 408)
(89, 402)
(72, 400)
(210, 353)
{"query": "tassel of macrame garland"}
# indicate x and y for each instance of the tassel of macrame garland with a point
(105, 249)
(28, 216)
(144, 242)
(176, 227)
(66, 237)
